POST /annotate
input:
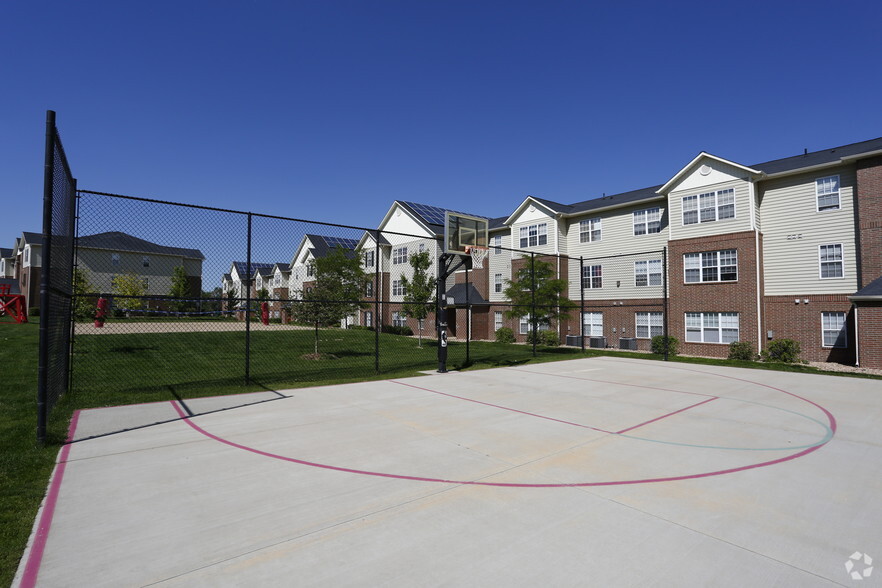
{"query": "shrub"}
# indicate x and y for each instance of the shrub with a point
(393, 330)
(660, 342)
(505, 335)
(549, 338)
(34, 311)
(782, 350)
(741, 350)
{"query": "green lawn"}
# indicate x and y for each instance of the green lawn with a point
(124, 369)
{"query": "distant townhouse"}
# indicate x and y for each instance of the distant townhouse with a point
(26, 261)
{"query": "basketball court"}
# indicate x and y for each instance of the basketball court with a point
(601, 471)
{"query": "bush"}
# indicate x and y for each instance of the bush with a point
(393, 330)
(549, 338)
(742, 350)
(782, 350)
(660, 342)
(34, 311)
(505, 335)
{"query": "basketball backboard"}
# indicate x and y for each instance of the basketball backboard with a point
(462, 230)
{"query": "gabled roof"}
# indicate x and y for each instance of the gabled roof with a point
(554, 207)
(117, 241)
(458, 294)
(264, 272)
(703, 156)
(4, 252)
(33, 238)
(433, 215)
(872, 292)
(323, 245)
(821, 158)
(242, 269)
(616, 200)
(282, 267)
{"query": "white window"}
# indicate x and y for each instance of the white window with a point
(831, 260)
(369, 259)
(397, 288)
(368, 318)
(592, 323)
(709, 207)
(145, 261)
(534, 235)
(712, 327)
(310, 269)
(592, 276)
(526, 326)
(648, 273)
(146, 283)
(497, 244)
(497, 320)
(398, 319)
(369, 288)
(399, 255)
(422, 247)
(827, 191)
(589, 230)
(711, 266)
(649, 324)
(647, 221)
(114, 259)
(833, 329)
(497, 282)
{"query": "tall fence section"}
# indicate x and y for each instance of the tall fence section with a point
(158, 299)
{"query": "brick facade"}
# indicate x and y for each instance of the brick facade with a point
(869, 345)
(868, 203)
(802, 322)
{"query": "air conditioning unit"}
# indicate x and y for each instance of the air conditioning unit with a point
(628, 343)
(597, 342)
(574, 340)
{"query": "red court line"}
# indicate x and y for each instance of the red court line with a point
(35, 557)
(581, 379)
(664, 416)
(505, 407)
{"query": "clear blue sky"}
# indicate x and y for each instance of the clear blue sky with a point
(330, 110)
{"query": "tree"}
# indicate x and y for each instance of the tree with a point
(419, 291)
(180, 289)
(231, 300)
(536, 293)
(339, 284)
(84, 305)
(132, 286)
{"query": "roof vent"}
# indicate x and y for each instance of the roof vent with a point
(704, 170)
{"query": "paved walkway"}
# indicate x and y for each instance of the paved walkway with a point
(600, 472)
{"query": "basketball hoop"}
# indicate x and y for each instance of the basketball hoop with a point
(478, 254)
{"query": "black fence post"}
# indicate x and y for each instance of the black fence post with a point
(534, 324)
(468, 317)
(248, 305)
(582, 303)
(665, 298)
(43, 366)
(378, 285)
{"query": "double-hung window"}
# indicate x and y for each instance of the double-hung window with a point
(649, 324)
(589, 230)
(369, 259)
(397, 288)
(369, 288)
(399, 255)
(831, 260)
(497, 244)
(711, 266)
(592, 276)
(833, 329)
(114, 259)
(648, 273)
(712, 327)
(398, 319)
(827, 193)
(647, 221)
(497, 282)
(709, 207)
(534, 235)
(145, 261)
(526, 325)
(592, 324)
(497, 320)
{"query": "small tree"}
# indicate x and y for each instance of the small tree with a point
(339, 284)
(231, 300)
(419, 291)
(535, 287)
(132, 286)
(84, 307)
(180, 288)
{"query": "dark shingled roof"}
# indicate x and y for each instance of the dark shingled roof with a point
(873, 289)
(4, 252)
(241, 267)
(622, 199)
(433, 215)
(818, 157)
(117, 241)
(324, 245)
(458, 294)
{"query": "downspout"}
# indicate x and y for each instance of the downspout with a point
(758, 264)
(857, 345)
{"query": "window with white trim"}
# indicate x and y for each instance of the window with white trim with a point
(114, 259)
(648, 273)
(709, 207)
(592, 324)
(310, 269)
(534, 235)
(592, 276)
(399, 319)
(648, 324)
(712, 327)
(830, 257)
(497, 320)
(711, 266)
(589, 230)
(497, 282)
(827, 193)
(368, 318)
(27, 254)
(145, 261)
(647, 221)
(525, 325)
(833, 329)
(399, 255)
(497, 244)
(397, 288)
(369, 288)
(369, 259)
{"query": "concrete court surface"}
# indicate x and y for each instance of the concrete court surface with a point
(589, 472)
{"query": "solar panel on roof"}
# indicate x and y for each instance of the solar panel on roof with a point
(433, 214)
(341, 242)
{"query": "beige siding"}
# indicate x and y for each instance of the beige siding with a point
(499, 263)
(536, 215)
(741, 222)
(98, 264)
(793, 231)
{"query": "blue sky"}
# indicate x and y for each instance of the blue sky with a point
(330, 110)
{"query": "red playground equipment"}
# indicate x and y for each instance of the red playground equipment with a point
(13, 305)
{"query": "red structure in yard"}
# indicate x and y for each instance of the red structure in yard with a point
(13, 305)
